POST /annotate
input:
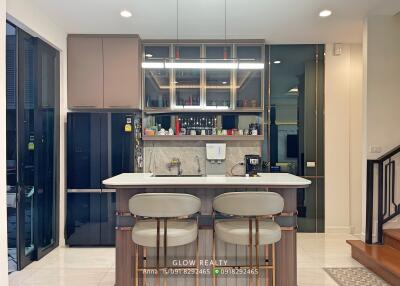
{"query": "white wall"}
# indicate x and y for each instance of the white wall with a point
(383, 85)
(381, 90)
(3, 171)
(31, 18)
(343, 137)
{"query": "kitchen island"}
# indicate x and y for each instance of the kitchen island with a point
(206, 188)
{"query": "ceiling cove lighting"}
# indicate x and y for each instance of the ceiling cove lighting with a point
(126, 14)
(325, 13)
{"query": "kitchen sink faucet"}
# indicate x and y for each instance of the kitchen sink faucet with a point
(175, 162)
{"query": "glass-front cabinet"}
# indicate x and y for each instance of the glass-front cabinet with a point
(218, 82)
(204, 76)
(157, 81)
(249, 81)
(187, 81)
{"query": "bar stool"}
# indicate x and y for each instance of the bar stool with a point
(250, 223)
(167, 215)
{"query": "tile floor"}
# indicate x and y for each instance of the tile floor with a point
(95, 266)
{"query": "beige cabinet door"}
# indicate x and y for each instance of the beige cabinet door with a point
(85, 72)
(122, 72)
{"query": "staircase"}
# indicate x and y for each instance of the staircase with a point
(382, 257)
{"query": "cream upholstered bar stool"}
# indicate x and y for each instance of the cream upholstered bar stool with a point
(250, 222)
(163, 220)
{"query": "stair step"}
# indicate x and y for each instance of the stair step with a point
(384, 260)
(391, 237)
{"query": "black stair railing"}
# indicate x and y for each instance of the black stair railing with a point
(381, 176)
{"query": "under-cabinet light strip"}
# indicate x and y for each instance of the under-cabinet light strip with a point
(192, 65)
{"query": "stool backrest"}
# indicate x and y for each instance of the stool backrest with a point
(164, 205)
(249, 203)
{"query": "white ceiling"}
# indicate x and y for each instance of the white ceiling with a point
(276, 21)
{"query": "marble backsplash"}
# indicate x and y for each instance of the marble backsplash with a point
(192, 154)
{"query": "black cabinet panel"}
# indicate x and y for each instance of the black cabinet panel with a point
(100, 145)
(122, 158)
(84, 150)
(83, 219)
(107, 219)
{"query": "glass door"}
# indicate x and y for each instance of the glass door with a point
(45, 113)
(11, 137)
(296, 129)
(32, 97)
(26, 149)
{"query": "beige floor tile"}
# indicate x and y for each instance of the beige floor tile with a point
(96, 266)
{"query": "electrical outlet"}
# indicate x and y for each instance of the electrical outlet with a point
(311, 164)
(375, 149)
(337, 49)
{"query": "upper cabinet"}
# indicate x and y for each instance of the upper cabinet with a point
(104, 72)
(157, 82)
(85, 72)
(121, 72)
(201, 76)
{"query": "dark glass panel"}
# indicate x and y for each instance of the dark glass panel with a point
(296, 134)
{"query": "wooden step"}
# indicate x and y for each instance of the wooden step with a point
(391, 237)
(384, 260)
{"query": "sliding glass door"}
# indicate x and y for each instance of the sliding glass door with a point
(32, 147)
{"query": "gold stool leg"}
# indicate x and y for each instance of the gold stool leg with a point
(250, 251)
(273, 266)
(136, 265)
(144, 265)
(165, 252)
(197, 261)
(158, 253)
(257, 253)
(267, 273)
(214, 253)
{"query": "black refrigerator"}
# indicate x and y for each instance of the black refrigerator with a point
(99, 146)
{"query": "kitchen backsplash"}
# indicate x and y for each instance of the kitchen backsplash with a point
(192, 154)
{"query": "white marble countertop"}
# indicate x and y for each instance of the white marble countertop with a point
(143, 180)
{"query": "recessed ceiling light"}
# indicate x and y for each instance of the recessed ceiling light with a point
(224, 82)
(148, 55)
(277, 62)
(325, 13)
(126, 14)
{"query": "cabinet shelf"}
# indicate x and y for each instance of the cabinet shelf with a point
(204, 138)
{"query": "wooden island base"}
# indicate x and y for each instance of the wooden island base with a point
(286, 252)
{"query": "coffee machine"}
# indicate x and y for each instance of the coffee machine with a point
(253, 165)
